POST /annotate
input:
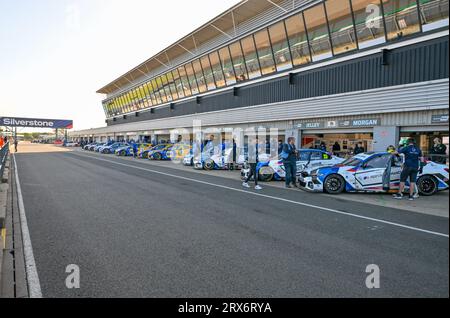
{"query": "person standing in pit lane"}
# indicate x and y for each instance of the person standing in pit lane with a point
(252, 159)
(413, 158)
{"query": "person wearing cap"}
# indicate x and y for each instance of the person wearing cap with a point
(413, 156)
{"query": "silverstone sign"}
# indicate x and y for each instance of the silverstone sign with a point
(36, 123)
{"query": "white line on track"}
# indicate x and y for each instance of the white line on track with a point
(34, 286)
(271, 197)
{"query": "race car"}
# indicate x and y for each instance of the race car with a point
(374, 172)
(160, 152)
(179, 152)
(214, 159)
(90, 147)
(124, 151)
(110, 149)
(308, 159)
(143, 148)
(98, 147)
(188, 160)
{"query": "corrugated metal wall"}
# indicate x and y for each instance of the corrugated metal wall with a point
(421, 62)
(419, 97)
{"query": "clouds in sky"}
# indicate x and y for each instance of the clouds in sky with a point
(54, 54)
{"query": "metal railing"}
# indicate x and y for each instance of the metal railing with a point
(4, 151)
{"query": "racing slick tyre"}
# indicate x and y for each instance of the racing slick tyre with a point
(156, 156)
(209, 165)
(427, 186)
(266, 174)
(122, 153)
(334, 184)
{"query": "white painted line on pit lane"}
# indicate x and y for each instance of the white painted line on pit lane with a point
(271, 197)
(34, 286)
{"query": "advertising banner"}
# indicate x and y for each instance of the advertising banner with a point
(36, 123)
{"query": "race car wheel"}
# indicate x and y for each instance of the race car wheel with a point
(427, 186)
(334, 184)
(123, 153)
(157, 156)
(208, 165)
(266, 174)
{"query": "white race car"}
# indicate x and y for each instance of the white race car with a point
(309, 159)
(373, 172)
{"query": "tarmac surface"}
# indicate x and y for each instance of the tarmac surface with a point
(139, 229)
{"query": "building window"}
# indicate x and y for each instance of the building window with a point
(319, 38)
(161, 91)
(265, 53)
(402, 18)
(298, 40)
(342, 30)
(217, 69)
(199, 76)
(184, 81)
(238, 62)
(251, 58)
(280, 46)
(209, 77)
(368, 22)
(156, 92)
(177, 83)
(171, 84)
(227, 65)
(434, 14)
(191, 77)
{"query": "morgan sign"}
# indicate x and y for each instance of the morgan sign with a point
(36, 123)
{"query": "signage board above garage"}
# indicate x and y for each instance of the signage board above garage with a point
(353, 123)
(36, 123)
(439, 119)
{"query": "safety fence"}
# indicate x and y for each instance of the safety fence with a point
(4, 151)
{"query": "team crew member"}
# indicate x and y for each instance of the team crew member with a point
(439, 151)
(413, 157)
(290, 157)
(253, 160)
(16, 142)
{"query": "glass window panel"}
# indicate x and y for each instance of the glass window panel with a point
(401, 18)
(298, 40)
(184, 81)
(434, 14)
(210, 83)
(227, 65)
(165, 83)
(148, 95)
(217, 69)
(369, 22)
(199, 76)
(178, 83)
(172, 87)
(342, 29)
(139, 101)
(160, 87)
(280, 46)
(156, 91)
(265, 52)
(238, 62)
(191, 77)
(251, 58)
(319, 39)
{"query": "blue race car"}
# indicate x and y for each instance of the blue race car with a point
(269, 170)
(374, 172)
(110, 149)
(160, 152)
(125, 151)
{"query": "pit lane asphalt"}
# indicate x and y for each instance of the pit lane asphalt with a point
(137, 233)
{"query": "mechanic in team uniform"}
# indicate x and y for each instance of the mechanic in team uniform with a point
(252, 159)
(413, 157)
(290, 156)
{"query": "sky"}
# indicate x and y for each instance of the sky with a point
(55, 54)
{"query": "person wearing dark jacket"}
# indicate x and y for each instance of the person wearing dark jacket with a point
(336, 148)
(290, 157)
(252, 159)
(359, 149)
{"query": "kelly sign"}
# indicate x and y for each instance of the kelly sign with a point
(36, 123)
